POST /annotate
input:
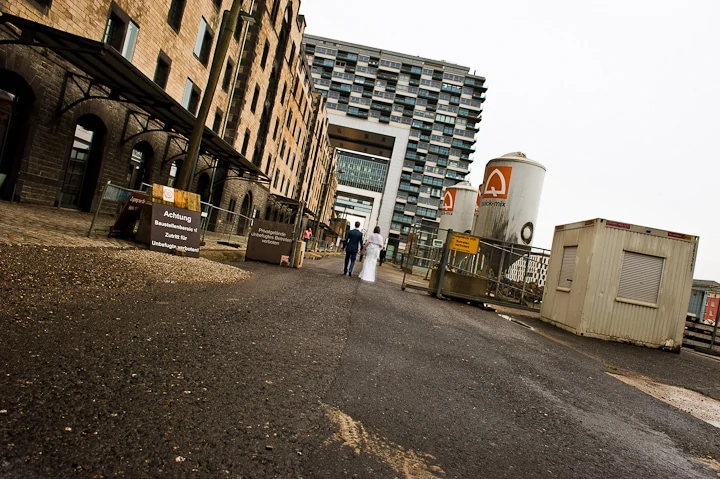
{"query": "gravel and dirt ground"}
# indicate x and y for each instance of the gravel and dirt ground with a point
(128, 363)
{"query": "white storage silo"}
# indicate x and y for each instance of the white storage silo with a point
(458, 208)
(510, 199)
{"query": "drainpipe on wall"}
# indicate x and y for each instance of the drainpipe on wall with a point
(246, 27)
(187, 172)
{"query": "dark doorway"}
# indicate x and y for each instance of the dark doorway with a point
(141, 159)
(83, 166)
(16, 102)
(245, 210)
(203, 188)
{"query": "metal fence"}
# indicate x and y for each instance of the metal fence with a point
(321, 244)
(114, 195)
(224, 226)
(475, 269)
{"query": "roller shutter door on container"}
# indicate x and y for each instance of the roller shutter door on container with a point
(640, 277)
(567, 269)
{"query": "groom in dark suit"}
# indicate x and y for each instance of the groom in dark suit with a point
(353, 244)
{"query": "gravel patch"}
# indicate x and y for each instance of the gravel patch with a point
(169, 268)
(35, 277)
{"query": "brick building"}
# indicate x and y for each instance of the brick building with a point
(712, 305)
(97, 90)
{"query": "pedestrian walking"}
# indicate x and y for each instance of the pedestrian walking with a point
(353, 243)
(372, 248)
(307, 234)
(383, 252)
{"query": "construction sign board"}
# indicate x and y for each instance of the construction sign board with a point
(464, 243)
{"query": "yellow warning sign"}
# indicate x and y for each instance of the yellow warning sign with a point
(464, 243)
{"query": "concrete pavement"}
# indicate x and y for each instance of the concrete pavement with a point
(307, 373)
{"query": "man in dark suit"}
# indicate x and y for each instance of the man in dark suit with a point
(353, 244)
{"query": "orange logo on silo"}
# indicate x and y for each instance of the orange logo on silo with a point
(497, 183)
(449, 201)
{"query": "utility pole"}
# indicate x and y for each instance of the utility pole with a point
(187, 171)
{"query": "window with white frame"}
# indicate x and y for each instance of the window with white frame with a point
(121, 33)
(191, 96)
(567, 268)
(203, 42)
(640, 277)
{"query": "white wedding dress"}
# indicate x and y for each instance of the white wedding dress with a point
(372, 254)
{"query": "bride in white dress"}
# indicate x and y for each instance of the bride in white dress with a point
(373, 245)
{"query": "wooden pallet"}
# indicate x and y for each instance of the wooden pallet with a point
(699, 336)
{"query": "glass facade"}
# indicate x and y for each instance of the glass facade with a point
(362, 171)
(440, 103)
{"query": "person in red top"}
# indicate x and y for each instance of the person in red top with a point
(307, 234)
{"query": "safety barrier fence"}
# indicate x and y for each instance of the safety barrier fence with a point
(475, 269)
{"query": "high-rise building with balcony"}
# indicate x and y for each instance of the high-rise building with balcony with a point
(420, 114)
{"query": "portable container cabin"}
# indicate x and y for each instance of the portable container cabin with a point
(620, 282)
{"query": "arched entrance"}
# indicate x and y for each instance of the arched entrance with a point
(16, 102)
(83, 166)
(141, 159)
(245, 210)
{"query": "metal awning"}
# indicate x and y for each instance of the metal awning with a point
(107, 67)
(284, 200)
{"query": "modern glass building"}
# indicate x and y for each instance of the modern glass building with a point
(428, 110)
(361, 183)
(362, 171)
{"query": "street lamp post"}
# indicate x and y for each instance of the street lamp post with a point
(187, 171)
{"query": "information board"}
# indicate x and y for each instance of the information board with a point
(464, 243)
(174, 228)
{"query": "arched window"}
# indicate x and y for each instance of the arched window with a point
(16, 101)
(140, 160)
(83, 166)
(246, 211)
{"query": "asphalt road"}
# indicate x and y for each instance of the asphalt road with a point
(307, 373)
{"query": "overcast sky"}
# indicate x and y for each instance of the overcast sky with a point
(620, 100)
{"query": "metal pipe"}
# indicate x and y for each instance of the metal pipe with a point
(237, 73)
(524, 280)
(185, 176)
(715, 329)
(296, 234)
(231, 96)
(498, 274)
(102, 196)
(232, 227)
(443, 263)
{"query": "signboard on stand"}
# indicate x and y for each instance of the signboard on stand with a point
(269, 241)
(173, 229)
(172, 222)
(125, 222)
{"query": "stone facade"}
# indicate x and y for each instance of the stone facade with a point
(262, 106)
(272, 115)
